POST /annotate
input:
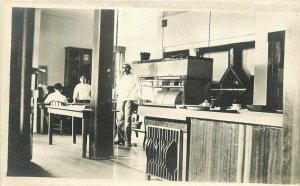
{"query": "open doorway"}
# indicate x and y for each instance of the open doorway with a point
(55, 33)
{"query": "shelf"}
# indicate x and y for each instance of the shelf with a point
(163, 78)
(162, 86)
(166, 86)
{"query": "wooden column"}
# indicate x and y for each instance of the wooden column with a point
(20, 127)
(101, 128)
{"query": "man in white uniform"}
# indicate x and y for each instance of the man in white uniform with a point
(82, 92)
(128, 92)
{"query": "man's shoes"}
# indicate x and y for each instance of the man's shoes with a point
(128, 144)
(119, 142)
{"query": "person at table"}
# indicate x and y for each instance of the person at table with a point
(128, 91)
(57, 95)
(82, 91)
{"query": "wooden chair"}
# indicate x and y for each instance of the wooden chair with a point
(57, 119)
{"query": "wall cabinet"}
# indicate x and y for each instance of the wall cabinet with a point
(78, 62)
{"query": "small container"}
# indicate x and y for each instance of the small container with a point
(145, 56)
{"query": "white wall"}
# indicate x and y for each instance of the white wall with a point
(58, 32)
(191, 29)
(140, 31)
(220, 64)
(184, 30)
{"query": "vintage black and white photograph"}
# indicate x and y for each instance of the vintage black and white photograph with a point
(150, 92)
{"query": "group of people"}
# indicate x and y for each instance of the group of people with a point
(82, 93)
(128, 94)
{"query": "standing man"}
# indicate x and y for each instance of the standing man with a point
(82, 91)
(128, 92)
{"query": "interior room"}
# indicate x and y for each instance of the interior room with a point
(216, 95)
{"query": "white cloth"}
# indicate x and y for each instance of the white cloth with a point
(56, 96)
(128, 88)
(82, 92)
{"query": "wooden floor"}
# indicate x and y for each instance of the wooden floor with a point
(63, 160)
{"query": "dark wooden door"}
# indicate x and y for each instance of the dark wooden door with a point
(275, 71)
(78, 62)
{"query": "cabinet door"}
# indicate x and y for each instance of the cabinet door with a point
(86, 64)
(72, 58)
(78, 62)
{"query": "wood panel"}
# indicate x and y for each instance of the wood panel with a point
(233, 152)
(266, 154)
(213, 151)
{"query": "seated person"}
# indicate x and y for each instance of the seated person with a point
(56, 95)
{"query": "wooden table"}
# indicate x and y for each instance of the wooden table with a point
(74, 111)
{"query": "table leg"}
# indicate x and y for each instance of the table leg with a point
(73, 131)
(42, 120)
(35, 126)
(84, 138)
(49, 130)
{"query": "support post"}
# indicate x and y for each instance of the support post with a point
(101, 125)
(20, 126)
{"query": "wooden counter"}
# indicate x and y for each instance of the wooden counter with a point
(244, 147)
(244, 116)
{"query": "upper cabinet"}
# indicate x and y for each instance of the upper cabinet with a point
(78, 62)
(197, 29)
